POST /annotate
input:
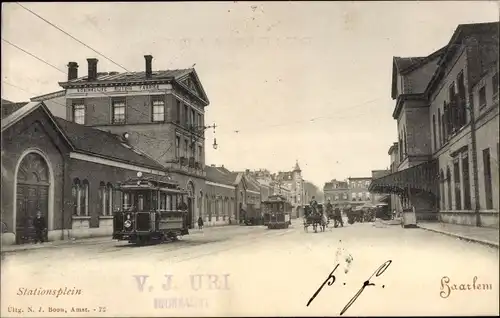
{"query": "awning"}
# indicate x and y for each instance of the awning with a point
(423, 177)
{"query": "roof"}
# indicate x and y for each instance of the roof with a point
(405, 65)
(133, 76)
(23, 110)
(455, 42)
(49, 96)
(178, 76)
(284, 176)
(331, 185)
(85, 139)
(102, 143)
(360, 178)
(220, 175)
(297, 168)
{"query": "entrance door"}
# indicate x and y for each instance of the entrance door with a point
(32, 195)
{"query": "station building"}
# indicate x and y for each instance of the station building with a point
(447, 118)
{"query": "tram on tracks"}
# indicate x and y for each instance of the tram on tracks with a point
(154, 211)
(277, 212)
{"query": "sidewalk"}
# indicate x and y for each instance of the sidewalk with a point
(58, 243)
(483, 235)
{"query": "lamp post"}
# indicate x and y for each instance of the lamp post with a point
(197, 131)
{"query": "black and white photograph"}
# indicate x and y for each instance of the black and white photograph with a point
(250, 159)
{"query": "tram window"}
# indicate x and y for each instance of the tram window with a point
(154, 201)
(140, 204)
(169, 201)
(126, 201)
(163, 201)
(174, 202)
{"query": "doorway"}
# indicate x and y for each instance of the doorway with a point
(32, 195)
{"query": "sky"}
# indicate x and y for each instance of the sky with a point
(287, 81)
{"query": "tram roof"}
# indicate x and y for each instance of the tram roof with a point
(153, 183)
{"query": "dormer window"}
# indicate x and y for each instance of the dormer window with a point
(79, 112)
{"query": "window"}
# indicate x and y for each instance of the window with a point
(186, 115)
(79, 112)
(178, 112)
(482, 97)
(456, 176)
(336, 197)
(158, 108)
(367, 184)
(193, 118)
(118, 111)
(109, 199)
(360, 196)
(434, 132)
(441, 190)
(495, 84)
(466, 182)
(461, 100)
(177, 146)
(199, 122)
(75, 191)
(440, 128)
(185, 148)
(487, 179)
(453, 107)
(448, 183)
(200, 153)
(368, 195)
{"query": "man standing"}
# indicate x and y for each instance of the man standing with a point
(338, 217)
(40, 227)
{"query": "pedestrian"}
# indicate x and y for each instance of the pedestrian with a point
(394, 214)
(200, 223)
(338, 217)
(40, 227)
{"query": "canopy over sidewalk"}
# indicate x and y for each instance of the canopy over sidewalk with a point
(423, 177)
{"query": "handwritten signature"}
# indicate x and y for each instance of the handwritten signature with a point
(331, 279)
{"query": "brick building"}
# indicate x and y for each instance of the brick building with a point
(447, 114)
(337, 192)
(160, 113)
(68, 171)
(358, 190)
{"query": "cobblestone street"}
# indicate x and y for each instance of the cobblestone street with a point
(245, 269)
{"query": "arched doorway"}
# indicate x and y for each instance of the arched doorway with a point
(191, 201)
(32, 193)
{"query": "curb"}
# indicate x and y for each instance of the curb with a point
(63, 243)
(463, 237)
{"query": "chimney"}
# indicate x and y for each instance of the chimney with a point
(247, 171)
(92, 74)
(149, 70)
(72, 71)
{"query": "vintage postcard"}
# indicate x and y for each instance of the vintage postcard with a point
(185, 159)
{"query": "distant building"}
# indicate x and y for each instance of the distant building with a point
(293, 182)
(378, 198)
(337, 192)
(358, 189)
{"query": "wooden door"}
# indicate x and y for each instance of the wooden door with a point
(32, 195)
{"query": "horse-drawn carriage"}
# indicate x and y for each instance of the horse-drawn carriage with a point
(277, 212)
(315, 217)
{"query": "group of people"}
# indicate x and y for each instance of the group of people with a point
(330, 210)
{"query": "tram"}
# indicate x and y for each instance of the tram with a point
(154, 210)
(277, 212)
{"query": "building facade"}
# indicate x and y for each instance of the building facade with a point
(293, 183)
(160, 113)
(358, 190)
(377, 197)
(68, 171)
(337, 192)
(447, 114)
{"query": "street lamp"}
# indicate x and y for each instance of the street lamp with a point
(196, 131)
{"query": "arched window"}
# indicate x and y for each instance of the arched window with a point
(102, 197)
(434, 132)
(109, 199)
(75, 193)
(84, 198)
(448, 182)
(441, 189)
(440, 130)
(405, 142)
